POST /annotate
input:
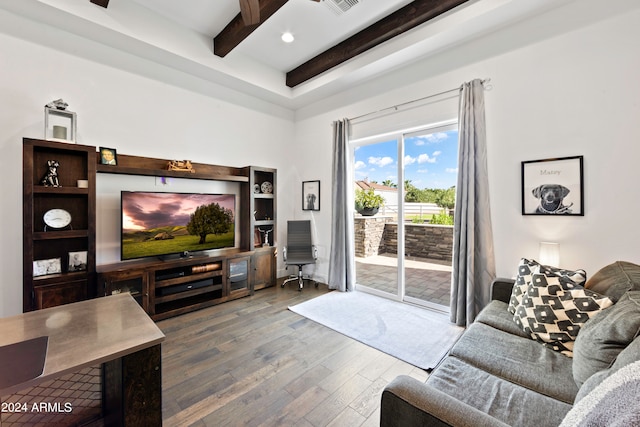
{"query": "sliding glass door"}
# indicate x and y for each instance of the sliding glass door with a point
(404, 251)
(376, 175)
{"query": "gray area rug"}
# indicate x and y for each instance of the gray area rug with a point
(416, 335)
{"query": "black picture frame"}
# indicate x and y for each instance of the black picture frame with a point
(311, 195)
(108, 156)
(553, 186)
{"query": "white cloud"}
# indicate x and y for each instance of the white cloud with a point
(436, 153)
(423, 170)
(433, 138)
(380, 161)
(451, 170)
(359, 165)
(424, 158)
(408, 160)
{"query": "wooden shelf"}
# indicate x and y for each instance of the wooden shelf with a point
(147, 166)
(60, 190)
(187, 278)
(188, 294)
(60, 277)
(64, 234)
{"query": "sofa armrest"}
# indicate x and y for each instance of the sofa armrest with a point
(409, 402)
(501, 289)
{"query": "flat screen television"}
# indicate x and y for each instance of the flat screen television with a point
(158, 224)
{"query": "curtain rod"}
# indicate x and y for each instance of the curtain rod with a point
(395, 107)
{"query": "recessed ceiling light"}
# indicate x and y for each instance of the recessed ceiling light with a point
(287, 37)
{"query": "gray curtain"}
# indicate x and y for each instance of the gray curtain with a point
(473, 256)
(342, 264)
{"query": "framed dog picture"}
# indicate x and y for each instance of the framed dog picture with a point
(553, 186)
(311, 195)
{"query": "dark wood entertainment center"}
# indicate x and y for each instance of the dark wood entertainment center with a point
(163, 288)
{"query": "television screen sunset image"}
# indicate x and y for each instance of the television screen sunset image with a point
(157, 224)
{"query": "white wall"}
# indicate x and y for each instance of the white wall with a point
(134, 114)
(574, 94)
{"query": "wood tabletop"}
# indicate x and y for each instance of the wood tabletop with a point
(82, 334)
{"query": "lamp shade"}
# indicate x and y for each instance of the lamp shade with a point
(550, 254)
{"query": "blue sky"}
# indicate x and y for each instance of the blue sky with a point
(431, 160)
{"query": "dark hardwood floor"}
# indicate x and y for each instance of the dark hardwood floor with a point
(252, 362)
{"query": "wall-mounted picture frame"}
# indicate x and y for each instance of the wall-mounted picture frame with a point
(44, 267)
(78, 261)
(311, 195)
(108, 156)
(553, 186)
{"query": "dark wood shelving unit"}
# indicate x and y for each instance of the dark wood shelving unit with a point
(240, 271)
(42, 243)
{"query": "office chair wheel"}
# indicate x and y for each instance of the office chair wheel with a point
(316, 284)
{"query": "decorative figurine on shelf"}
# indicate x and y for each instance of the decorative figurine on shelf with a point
(266, 236)
(181, 165)
(58, 104)
(51, 177)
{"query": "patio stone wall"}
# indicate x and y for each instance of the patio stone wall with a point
(379, 234)
(369, 235)
(429, 241)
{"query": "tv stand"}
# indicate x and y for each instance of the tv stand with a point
(166, 288)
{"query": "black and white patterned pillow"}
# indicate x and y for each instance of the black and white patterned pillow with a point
(554, 308)
(523, 279)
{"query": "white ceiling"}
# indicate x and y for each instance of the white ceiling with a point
(179, 35)
(315, 25)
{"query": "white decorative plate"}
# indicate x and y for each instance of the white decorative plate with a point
(266, 187)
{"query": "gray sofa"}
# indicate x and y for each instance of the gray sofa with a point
(497, 375)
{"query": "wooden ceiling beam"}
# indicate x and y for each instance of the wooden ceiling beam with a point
(236, 31)
(103, 3)
(408, 17)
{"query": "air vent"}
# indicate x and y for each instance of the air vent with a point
(340, 6)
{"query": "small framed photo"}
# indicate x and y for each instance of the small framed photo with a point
(553, 186)
(44, 267)
(311, 195)
(78, 261)
(108, 156)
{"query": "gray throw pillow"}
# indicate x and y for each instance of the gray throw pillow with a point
(615, 279)
(602, 338)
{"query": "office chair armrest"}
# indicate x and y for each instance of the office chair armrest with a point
(284, 253)
(315, 252)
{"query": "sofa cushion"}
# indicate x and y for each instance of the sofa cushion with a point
(615, 279)
(554, 309)
(627, 356)
(506, 401)
(518, 360)
(495, 314)
(605, 336)
(523, 279)
(614, 402)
